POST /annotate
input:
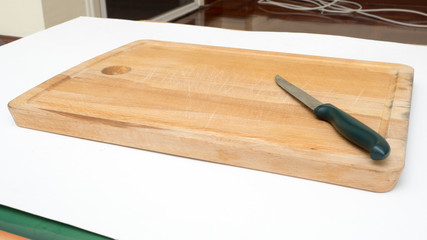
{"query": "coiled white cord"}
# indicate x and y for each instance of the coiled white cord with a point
(342, 6)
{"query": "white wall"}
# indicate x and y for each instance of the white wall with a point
(20, 17)
(23, 17)
(59, 11)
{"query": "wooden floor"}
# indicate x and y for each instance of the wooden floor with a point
(7, 39)
(248, 15)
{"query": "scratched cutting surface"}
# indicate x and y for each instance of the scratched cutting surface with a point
(223, 105)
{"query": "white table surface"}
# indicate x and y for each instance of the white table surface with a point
(127, 193)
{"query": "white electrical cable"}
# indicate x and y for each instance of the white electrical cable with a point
(342, 6)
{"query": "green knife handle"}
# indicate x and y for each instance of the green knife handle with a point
(354, 130)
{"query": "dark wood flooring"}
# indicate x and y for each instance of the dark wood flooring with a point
(7, 39)
(248, 15)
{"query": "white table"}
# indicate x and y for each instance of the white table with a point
(127, 193)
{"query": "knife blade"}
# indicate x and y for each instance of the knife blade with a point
(348, 126)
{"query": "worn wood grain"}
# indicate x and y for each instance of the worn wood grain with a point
(223, 105)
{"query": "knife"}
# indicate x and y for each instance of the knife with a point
(348, 126)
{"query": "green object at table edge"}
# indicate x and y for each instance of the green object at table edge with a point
(39, 228)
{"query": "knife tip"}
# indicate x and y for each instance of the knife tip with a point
(278, 78)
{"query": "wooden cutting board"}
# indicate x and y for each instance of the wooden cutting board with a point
(223, 105)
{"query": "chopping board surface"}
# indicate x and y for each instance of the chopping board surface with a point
(223, 105)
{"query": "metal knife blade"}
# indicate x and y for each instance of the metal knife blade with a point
(299, 94)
